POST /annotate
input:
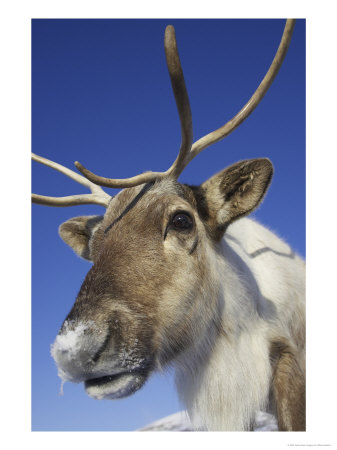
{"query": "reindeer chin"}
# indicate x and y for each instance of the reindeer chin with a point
(115, 386)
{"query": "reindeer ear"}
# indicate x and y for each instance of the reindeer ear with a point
(234, 192)
(78, 231)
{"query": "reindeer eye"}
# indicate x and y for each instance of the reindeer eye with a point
(182, 221)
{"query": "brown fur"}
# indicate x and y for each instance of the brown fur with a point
(236, 190)
(131, 271)
(77, 233)
(288, 387)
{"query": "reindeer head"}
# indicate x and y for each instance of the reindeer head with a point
(153, 288)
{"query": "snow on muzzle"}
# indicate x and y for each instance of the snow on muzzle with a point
(75, 348)
(77, 352)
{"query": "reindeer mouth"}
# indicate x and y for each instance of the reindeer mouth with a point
(116, 386)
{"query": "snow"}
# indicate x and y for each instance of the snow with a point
(180, 422)
(175, 422)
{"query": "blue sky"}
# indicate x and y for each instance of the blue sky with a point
(101, 95)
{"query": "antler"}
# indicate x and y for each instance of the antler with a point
(98, 196)
(177, 79)
(252, 103)
(185, 115)
(187, 151)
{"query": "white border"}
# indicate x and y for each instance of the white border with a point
(321, 220)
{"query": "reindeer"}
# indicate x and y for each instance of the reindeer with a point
(182, 277)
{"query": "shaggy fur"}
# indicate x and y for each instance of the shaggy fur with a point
(221, 299)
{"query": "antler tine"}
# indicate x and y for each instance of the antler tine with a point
(70, 200)
(185, 116)
(182, 100)
(98, 196)
(252, 103)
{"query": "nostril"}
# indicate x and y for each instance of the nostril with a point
(96, 357)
